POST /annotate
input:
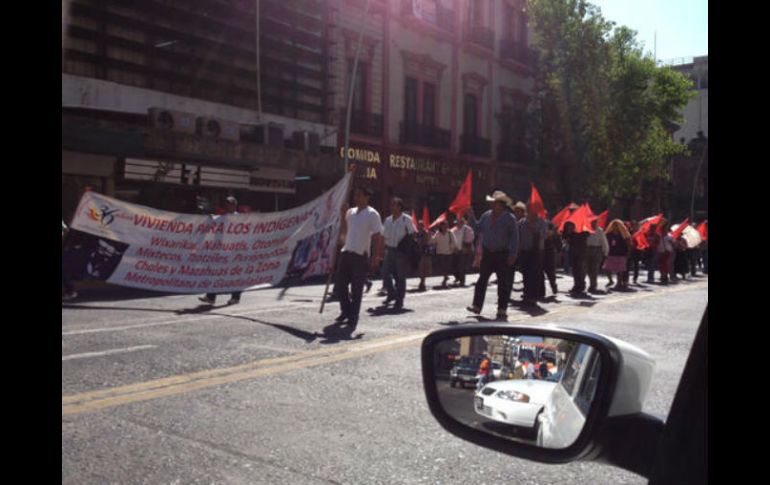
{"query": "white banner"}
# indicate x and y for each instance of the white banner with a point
(145, 248)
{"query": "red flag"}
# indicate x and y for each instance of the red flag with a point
(561, 216)
(414, 220)
(589, 211)
(603, 219)
(462, 201)
(581, 219)
(425, 217)
(703, 230)
(536, 202)
(680, 229)
(438, 220)
(641, 235)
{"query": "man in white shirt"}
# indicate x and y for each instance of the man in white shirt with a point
(397, 226)
(464, 240)
(597, 251)
(359, 224)
(445, 244)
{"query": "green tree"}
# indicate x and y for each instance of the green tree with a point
(604, 106)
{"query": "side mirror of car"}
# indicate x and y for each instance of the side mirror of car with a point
(562, 394)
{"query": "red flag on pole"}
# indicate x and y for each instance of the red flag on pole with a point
(603, 219)
(425, 217)
(414, 220)
(462, 201)
(641, 235)
(536, 202)
(681, 228)
(581, 219)
(703, 230)
(562, 215)
(439, 220)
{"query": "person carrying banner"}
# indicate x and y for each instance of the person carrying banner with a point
(361, 225)
(500, 245)
(231, 204)
(396, 265)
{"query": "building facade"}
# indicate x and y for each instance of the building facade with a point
(688, 188)
(441, 88)
(164, 100)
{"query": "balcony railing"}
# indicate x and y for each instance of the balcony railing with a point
(443, 17)
(474, 145)
(428, 136)
(362, 123)
(518, 52)
(512, 152)
(481, 36)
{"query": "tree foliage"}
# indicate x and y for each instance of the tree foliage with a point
(604, 106)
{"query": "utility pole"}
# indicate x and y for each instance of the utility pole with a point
(353, 86)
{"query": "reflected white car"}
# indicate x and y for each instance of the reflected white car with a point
(517, 402)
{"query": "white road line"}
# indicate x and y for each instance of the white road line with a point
(107, 352)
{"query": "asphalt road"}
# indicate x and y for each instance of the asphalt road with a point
(165, 390)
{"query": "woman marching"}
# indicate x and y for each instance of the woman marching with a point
(619, 241)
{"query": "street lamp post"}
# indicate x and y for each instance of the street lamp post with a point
(353, 87)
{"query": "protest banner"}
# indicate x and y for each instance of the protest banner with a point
(140, 247)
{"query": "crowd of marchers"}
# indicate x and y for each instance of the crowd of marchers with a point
(507, 239)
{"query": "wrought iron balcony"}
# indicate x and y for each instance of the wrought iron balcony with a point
(444, 17)
(363, 123)
(480, 35)
(518, 52)
(428, 136)
(474, 145)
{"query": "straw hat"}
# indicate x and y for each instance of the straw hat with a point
(499, 196)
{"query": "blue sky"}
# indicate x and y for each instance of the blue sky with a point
(681, 25)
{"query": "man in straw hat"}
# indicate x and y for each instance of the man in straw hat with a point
(499, 236)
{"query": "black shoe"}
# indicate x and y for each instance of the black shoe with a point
(352, 324)
(399, 305)
(341, 318)
(389, 299)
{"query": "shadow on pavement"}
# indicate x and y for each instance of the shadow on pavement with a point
(384, 310)
(334, 333)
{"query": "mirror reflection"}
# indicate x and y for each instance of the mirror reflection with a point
(527, 388)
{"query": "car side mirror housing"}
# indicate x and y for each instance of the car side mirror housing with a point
(542, 393)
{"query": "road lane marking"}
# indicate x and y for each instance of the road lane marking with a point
(182, 384)
(107, 352)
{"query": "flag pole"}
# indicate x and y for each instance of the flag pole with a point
(337, 250)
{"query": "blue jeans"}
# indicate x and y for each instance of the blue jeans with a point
(395, 266)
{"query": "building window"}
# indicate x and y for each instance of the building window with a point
(360, 86)
(429, 104)
(470, 112)
(410, 102)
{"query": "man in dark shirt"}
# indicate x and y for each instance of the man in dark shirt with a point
(499, 235)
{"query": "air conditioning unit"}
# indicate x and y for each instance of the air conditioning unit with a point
(307, 141)
(210, 127)
(270, 134)
(169, 120)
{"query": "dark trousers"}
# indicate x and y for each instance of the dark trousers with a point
(632, 264)
(578, 264)
(394, 268)
(531, 264)
(493, 262)
(549, 267)
(351, 271)
(460, 265)
(692, 256)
